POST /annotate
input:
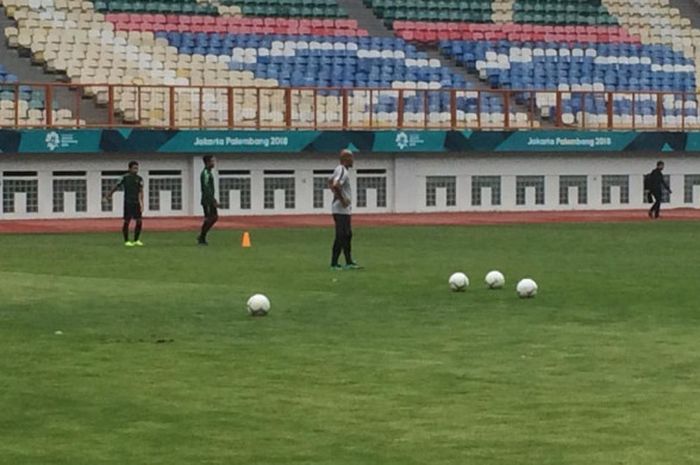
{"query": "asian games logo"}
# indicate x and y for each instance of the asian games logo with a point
(402, 140)
(53, 140)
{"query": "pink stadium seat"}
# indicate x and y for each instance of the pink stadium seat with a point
(433, 31)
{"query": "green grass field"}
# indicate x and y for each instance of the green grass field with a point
(159, 363)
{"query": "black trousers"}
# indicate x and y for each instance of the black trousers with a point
(654, 210)
(211, 216)
(343, 239)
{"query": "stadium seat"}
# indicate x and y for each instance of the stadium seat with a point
(596, 54)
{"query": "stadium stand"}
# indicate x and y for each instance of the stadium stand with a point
(290, 8)
(302, 62)
(580, 50)
(431, 32)
(24, 105)
(431, 10)
(176, 7)
(234, 25)
(91, 49)
(562, 12)
(586, 68)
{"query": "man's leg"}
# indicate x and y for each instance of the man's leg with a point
(347, 236)
(657, 204)
(125, 229)
(137, 229)
(202, 238)
(338, 242)
(210, 218)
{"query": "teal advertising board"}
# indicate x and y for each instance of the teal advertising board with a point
(130, 141)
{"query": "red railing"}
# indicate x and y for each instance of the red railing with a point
(154, 106)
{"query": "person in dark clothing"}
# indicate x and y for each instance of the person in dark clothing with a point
(132, 184)
(209, 203)
(656, 184)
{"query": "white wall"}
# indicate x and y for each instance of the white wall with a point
(405, 178)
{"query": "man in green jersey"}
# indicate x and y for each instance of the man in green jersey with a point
(132, 184)
(209, 203)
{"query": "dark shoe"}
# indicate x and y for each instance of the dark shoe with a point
(353, 266)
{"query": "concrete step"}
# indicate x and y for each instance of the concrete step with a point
(689, 9)
(448, 62)
(474, 80)
(365, 17)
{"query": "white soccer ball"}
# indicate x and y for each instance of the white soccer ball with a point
(495, 279)
(258, 305)
(526, 288)
(459, 282)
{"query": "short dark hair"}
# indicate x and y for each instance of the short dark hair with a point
(660, 162)
(133, 163)
(206, 159)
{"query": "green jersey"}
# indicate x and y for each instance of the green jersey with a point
(133, 186)
(208, 188)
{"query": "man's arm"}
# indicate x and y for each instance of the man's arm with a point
(212, 189)
(665, 184)
(334, 185)
(109, 194)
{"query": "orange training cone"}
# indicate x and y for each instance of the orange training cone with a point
(245, 242)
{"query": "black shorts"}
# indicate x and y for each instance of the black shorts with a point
(132, 211)
(210, 210)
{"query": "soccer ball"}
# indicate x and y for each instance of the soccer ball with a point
(258, 305)
(459, 282)
(526, 288)
(495, 279)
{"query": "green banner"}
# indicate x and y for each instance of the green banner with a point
(409, 141)
(145, 141)
(239, 141)
(566, 141)
(692, 142)
(60, 141)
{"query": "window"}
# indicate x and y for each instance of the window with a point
(433, 183)
(581, 184)
(493, 182)
(621, 181)
(521, 185)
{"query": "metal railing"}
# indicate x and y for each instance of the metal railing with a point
(219, 107)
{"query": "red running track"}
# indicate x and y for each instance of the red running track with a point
(300, 221)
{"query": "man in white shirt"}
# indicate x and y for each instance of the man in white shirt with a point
(341, 186)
